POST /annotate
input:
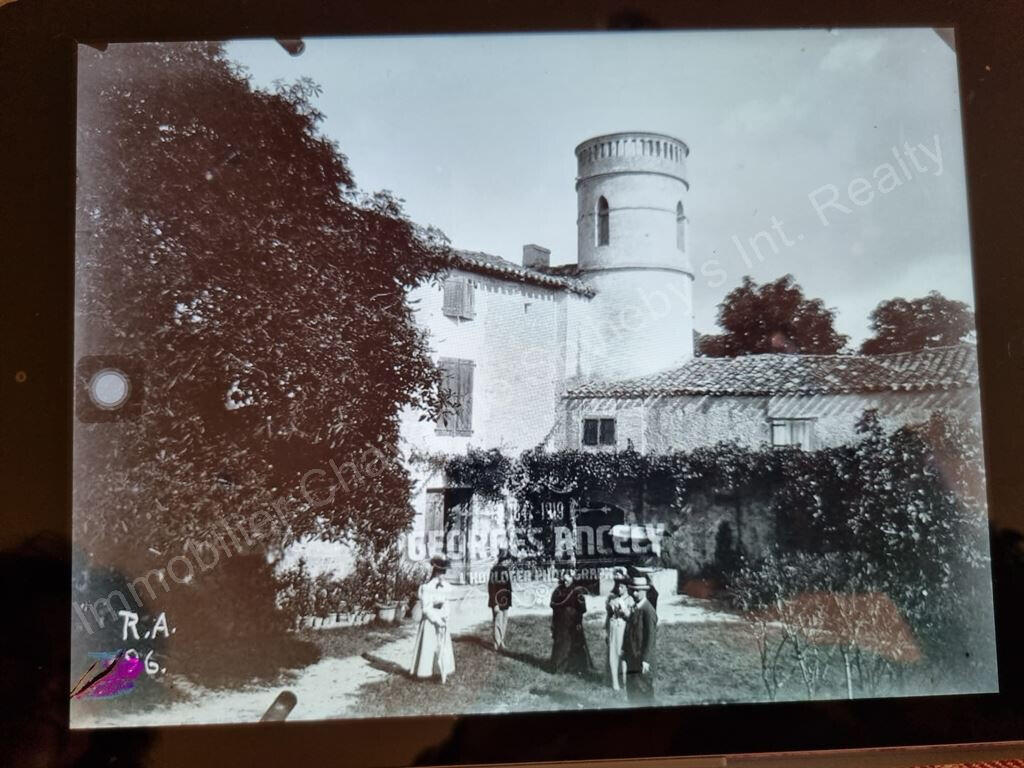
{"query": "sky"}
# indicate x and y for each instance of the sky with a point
(476, 134)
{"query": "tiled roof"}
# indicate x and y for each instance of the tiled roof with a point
(488, 264)
(925, 370)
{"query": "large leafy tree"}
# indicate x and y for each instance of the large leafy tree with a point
(900, 325)
(223, 244)
(772, 318)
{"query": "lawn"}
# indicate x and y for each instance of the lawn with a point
(339, 642)
(696, 663)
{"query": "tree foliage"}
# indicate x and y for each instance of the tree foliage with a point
(900, 325)
(772, 318)
(223, 244)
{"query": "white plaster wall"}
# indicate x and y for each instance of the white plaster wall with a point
(519, 340)
(522, 342)
(639, 322)
(641, 221)
(688, 422)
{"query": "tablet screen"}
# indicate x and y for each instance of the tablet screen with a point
(492, 374)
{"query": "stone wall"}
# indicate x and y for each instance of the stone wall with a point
(686, 422)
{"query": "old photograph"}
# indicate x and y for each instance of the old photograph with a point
(503, 373)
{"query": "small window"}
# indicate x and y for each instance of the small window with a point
(794, 433)
(680, 227)
(599, 432)
(458, 298)
(457, 383)
(602, 222)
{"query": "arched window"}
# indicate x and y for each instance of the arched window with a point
(602, 221)
(680, 227)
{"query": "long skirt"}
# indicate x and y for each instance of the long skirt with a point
(433, 651)
(569, 651)
(616, 633)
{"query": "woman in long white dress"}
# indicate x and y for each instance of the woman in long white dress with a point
(433, 649)
(618, 606)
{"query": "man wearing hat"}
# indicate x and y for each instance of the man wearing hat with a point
(646, 571)
(639, 644)
(499, 596)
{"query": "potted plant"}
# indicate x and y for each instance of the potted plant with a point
(384, 574)
(407, 587)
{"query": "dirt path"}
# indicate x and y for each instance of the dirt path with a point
(329, 688)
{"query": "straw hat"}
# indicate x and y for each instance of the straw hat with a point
(639, 582)
(440, 562)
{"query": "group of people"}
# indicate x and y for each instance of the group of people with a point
(631, 626)
(631, 632)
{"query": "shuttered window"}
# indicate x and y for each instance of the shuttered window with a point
(599, 432)
(458, 298)
(457, 383)
(794, 433)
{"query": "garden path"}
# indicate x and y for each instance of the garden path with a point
(329, 688)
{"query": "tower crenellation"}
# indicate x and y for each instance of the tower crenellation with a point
(648, 152)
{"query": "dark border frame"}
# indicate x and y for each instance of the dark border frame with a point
(37, 111)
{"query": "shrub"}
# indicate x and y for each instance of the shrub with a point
(230, 627)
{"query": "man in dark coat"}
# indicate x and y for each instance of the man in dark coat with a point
(499, 597)
(569, 652)
(638, 646)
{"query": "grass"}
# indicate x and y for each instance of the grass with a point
(696, 664)
(707, 663)
(339, 642)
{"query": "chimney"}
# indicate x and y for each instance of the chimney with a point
(536, 257)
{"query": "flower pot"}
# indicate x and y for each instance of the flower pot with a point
(386, 612)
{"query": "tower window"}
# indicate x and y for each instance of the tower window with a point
(680, 227)
(602, 221)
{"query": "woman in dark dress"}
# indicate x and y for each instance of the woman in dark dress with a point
(569, 652)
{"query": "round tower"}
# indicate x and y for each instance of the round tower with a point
(631, 193)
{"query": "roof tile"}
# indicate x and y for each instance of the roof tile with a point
(489, 264)
(925, 370)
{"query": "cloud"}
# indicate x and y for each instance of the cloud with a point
(851, 54)
(759, 116)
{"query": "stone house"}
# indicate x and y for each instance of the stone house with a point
(598, 355)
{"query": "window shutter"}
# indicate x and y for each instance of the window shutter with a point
(780, 433)
(450, 385)
(802, 434)
(458, 298)
(590, 431)
(465, 389)
(468, 309)
(434, 518)
(607, 436)
(453, 296)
